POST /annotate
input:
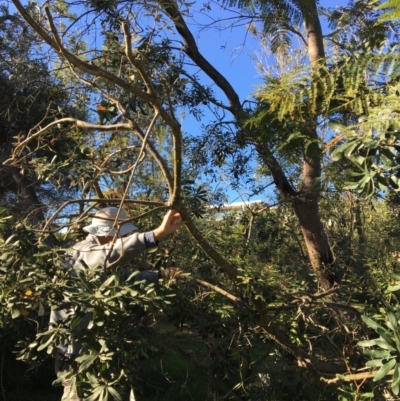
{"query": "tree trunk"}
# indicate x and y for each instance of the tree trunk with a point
(30, 201)
(319, 251)
(306, 204)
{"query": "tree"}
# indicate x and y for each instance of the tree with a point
(31, 98)
(142, 81)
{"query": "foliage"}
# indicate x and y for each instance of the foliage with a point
(252, 306)
(391, 10)
(388, 347)
(362, 85)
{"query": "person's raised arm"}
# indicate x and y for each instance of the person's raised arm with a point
(171, 222)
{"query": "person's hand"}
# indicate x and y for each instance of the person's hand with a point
(171, 222)
(171, 273)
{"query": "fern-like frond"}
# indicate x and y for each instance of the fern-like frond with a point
(276, 16)
(356, 84)
(392, 10)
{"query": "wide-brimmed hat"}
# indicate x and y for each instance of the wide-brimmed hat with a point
(105, 223)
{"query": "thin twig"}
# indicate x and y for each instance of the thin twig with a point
(226, 294)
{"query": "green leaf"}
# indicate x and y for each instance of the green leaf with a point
(393, 288)
(46, 343)
(394, 181)
(375, 353)
(395, 389)
(389, 345)
(382, 182)
(379, 342)
(384, 370)
(373, 324)
(374, 363)
(15, 313)
(396, 378)
(388, 337)
(86, 360)
(364, 396)
(392, 321)
(115, 394)
(351, 186)
(336, 126)
(344, 150)
(107, 282)
(97, 394)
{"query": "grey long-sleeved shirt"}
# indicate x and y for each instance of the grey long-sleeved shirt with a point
(93, 254)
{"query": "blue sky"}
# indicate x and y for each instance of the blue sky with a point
(232, 52)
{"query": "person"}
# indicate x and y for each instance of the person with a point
(108, 244)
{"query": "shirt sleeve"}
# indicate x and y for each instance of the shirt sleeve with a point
(149, 240)
(122, 251)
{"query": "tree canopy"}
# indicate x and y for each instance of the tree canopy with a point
(94, 93)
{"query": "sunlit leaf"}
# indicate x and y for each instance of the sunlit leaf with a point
(384, 370)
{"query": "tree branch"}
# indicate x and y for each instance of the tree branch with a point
(73, 60)
(144, 143)
(169, 119)
(355, 376)
(235, 300)
(302, 356)
(191, 49)
(77, 123)
(98, 201)
(223, 263)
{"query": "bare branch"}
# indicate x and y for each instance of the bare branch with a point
(141, 152)
(135, 61)
(77, 123)
(193, 52)
(98, 201)
(303, 357)
(223, 263)
(355, 376)
(226, 294)
(72, 59)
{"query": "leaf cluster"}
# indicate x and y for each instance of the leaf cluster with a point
(386, 348)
